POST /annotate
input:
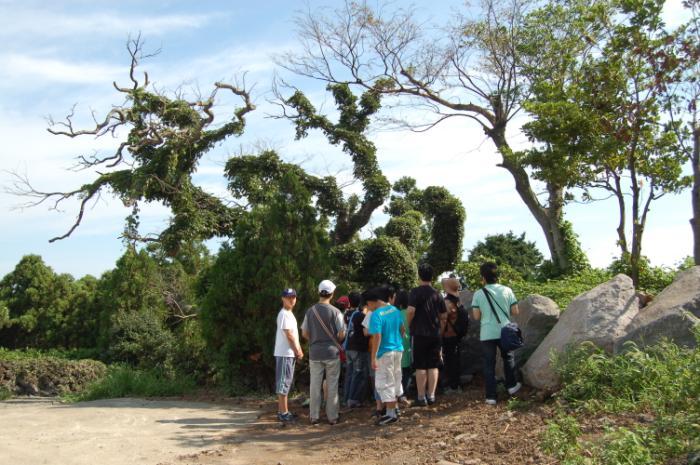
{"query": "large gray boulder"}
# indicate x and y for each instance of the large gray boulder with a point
(672, 314)
(538, 315)
(599, 316)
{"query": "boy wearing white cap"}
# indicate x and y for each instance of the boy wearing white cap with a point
(324, 328)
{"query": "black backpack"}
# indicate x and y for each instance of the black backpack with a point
(461, 326)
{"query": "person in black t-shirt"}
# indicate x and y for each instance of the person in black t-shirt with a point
(426, 317)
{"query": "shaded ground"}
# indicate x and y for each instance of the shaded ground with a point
(458, 429)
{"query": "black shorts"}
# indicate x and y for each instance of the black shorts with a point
(426, 352)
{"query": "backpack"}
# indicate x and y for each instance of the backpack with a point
(461, 326)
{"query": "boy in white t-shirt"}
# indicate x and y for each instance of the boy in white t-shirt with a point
(287, 350)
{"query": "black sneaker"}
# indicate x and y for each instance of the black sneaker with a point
(387, 420)
(430, 400)
(286, 417)
(377, 414)
(420, 403)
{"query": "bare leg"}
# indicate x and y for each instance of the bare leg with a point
(432, 382)
(421, 380)
(282, 406)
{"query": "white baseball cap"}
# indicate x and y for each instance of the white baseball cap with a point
(326, 287)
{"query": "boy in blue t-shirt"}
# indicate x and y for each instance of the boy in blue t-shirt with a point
(386, 328)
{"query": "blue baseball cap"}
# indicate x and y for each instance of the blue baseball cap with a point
(289, 292)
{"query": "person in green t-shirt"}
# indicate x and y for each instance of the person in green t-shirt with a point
(406, 371)
(502, 300)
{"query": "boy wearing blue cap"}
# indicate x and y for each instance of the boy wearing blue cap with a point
(287, 350)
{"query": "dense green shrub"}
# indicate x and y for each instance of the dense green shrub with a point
(661, 383)
(133, 312)
(373, 262)
(31, 373)
(520, 254)
(442, 230)
(39, 308)
(278, 245)
(407, 229)
(652, 279)
(564, 289)
(469, 272)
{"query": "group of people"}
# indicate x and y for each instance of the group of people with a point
(384, 338)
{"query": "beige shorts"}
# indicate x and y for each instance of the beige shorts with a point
(388, 376)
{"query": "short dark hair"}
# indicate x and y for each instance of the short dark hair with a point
(355, 299)
(489, 271)
(382, 293)
(402, 299)
(425, 272)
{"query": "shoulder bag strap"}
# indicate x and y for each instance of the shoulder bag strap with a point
(491, 302)
(326, 330)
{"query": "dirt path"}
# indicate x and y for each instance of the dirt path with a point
(459, 429)
(114, 432)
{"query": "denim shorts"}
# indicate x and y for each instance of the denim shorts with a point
(284, 374)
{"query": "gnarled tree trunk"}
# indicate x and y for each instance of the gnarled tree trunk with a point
(548, 217)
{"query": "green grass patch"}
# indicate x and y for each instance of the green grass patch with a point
(5, 393)
(125, 381)
(649, 397)
(518, 405)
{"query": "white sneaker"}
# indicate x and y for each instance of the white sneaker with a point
(490, 401)
(515, 388)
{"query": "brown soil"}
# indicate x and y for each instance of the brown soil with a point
(458, 429)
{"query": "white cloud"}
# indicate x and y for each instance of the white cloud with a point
(21, 69)
(43, 23)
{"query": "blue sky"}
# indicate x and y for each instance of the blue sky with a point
(57, 54)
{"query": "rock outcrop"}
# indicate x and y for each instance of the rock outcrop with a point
(538, 315)
(673, 315)
(599, 315)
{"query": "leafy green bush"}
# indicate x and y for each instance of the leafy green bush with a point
(5, 393)
(518, 253)
(278, 245)
(469, 272)
(39, 308)
(141, 339)
(376, 261)
(406, 228)
(562, 290)
(661, 383)
(125, 381)
(652, 279)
